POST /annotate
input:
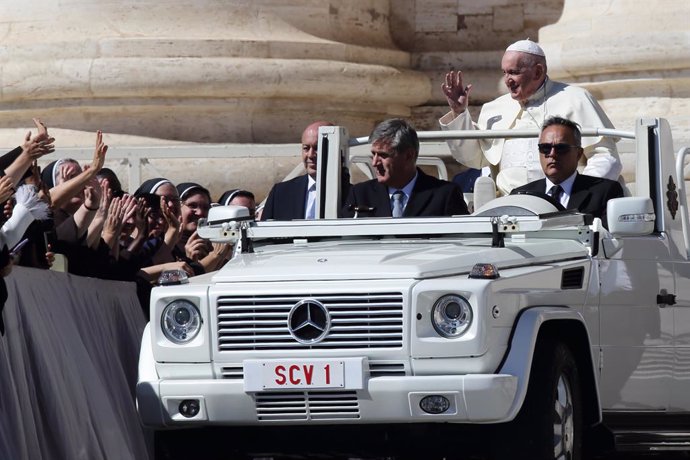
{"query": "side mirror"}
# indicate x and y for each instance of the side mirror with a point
(630, 216)
(223, 223)
(228, 213)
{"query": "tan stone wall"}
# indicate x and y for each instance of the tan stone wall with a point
(203, 70)
(633, 55)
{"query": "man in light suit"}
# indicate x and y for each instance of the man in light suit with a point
(560, 149)
(296, 198)
(532, 98)
(400, 189)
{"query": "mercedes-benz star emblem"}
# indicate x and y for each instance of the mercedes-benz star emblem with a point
(309, 321)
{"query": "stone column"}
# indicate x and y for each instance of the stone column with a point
(633, 55)
(203, 70)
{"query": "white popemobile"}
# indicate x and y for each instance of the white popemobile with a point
(517, 313)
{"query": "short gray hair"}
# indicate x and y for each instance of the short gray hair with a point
(398, 133)
(531, 60)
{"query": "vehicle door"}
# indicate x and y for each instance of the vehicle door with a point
(680, 396)
(636, 333)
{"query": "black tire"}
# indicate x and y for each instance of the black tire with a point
(549, 425)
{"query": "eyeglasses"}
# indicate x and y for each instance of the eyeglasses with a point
(197, 206)
(560, 149)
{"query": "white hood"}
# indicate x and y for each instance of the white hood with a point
(387, 259)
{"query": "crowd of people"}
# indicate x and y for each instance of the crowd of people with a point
(81, 219)
(83, 215)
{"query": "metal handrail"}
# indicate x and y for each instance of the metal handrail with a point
(504, 133)
(136, 157)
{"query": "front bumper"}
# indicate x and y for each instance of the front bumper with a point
(475, 398)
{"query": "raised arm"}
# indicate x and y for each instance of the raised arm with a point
(456, 92)
(86, 212)
(64, 191)
(32, 149)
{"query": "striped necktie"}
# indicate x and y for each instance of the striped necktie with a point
(397, 203)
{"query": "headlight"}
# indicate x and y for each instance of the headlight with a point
(451, 316)
(181, 321)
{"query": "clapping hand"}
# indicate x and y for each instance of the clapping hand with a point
(196, 247)
(6, 188)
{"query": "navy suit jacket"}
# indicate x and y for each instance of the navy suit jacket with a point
(589, 194)
(430, 197)
(286, 200)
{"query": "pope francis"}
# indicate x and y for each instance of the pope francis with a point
(532, 98)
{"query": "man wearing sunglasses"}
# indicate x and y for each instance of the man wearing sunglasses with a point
(532, 98)
(560, 149)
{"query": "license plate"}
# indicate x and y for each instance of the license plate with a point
(302, 374)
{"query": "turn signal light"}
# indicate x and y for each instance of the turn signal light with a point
(484, 271)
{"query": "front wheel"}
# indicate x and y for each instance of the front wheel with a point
(549, 425)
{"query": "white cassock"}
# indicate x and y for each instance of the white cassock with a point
(518, 159)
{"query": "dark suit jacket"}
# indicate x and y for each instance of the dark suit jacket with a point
(589, 194)
(286, 200)
(430, 197)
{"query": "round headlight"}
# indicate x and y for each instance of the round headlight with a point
(451, 316)
(181, 321)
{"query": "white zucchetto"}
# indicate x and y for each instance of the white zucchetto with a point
(526, 46)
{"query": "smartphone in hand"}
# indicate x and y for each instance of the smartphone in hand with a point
(17, 249)
(59, 260)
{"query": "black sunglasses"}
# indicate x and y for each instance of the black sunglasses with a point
(560, 149)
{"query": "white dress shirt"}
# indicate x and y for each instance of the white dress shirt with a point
(310, 199)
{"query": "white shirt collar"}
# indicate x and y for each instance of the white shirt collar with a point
(407, 189)
(566, 185)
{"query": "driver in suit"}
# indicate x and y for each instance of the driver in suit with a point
(560, 150)
(296, 198)
(400, 189)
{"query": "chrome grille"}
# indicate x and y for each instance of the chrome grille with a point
(368, 320)
(307, 405)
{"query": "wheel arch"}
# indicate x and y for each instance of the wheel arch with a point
(539, 325)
